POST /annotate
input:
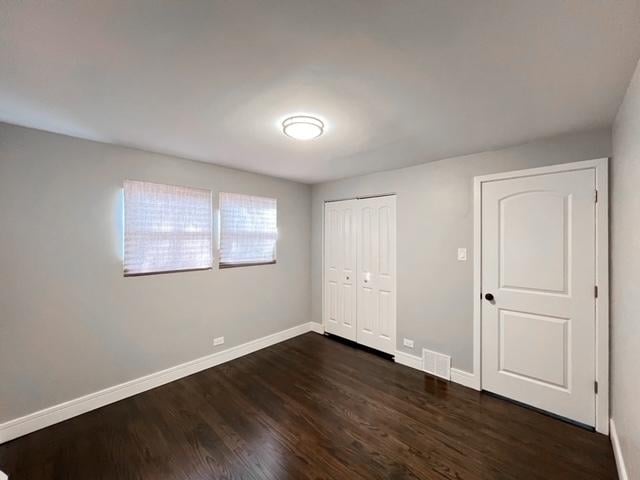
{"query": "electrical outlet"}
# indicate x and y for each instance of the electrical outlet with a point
(462, 254)
(218, 341)
(407, 343)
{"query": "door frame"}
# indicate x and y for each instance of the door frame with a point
(600, 166)
(395, 254)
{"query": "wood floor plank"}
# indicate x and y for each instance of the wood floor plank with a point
(311, 408)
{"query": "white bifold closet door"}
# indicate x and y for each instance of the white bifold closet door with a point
(340, 243)
(360, 271)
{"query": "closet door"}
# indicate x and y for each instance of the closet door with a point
(376, 278)
(340, 268)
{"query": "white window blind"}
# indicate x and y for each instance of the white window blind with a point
(248, 230)
(166, 228)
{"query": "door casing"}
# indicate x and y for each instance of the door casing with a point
(600, 166)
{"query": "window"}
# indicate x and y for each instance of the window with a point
(166, 228)
(248, 230)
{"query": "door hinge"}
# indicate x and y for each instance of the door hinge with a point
(596, 196)
(595, 387)
(595, 291)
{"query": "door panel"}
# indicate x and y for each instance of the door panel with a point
(340, 264)
(384, 234)
(386, 321)
(544, 266)
(376, 273)
(348, 305)
(538, 260)
(523, 358)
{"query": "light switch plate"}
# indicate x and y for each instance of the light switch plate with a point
(462, 254)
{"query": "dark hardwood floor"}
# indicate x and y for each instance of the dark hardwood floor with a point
(310, 408)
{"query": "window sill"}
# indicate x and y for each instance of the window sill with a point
(234, 265)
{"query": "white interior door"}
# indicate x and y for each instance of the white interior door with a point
(340, 268)
(538, 262)
(377, 273)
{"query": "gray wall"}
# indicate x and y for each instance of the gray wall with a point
(70, 324)
(625, 276)
(434, 218)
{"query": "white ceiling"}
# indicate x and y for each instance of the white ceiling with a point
(397, 82)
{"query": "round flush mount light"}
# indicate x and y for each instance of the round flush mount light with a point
(303, 127)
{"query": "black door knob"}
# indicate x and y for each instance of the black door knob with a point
(489, 297)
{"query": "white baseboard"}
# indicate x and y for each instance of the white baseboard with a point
(317, 327)
(408, 360)
(617, 451)
(465, 378)
(63, 411)
(457, 376)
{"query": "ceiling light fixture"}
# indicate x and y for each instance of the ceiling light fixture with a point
(303, 127)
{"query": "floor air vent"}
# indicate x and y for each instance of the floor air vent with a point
(437, 364)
